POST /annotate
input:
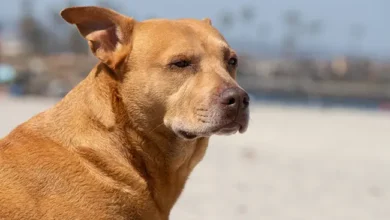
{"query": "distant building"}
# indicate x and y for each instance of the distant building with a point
(11, 46)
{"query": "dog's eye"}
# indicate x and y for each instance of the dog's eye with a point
(182, 63)
(233, 61)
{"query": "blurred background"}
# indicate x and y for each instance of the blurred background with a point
(319, 76)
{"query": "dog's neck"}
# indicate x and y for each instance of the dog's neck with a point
(92, 121)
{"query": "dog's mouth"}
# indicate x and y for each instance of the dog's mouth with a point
(225, 125)
(226, 129)
(187, 135)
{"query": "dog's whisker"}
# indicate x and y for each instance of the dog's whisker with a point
(155, 128)
(203, 121)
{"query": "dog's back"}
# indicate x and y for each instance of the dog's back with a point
(41, 180)
(32, 167)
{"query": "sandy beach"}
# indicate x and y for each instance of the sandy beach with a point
(294, 163)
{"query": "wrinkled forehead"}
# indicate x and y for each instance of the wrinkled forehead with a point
(179, 36)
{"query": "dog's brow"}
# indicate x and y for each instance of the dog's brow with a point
(183, 56)
(226, 52)
(219, 42)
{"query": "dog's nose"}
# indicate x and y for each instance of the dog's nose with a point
(235, 98)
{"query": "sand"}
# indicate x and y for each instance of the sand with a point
(294, 163)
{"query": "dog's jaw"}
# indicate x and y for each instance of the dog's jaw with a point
(223, 127)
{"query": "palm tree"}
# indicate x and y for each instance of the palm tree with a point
(293, 19)
(226, 20)
(31, 29)
(1, 31)
(263, 32)
(356, 34)
(293, 22)
(315, 28)
(247, 14)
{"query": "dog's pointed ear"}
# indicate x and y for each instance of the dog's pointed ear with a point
(207, 20)
(108, 33)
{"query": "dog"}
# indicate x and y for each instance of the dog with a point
(122, 143)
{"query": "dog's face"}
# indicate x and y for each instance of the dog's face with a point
(177, 73)
(188, 70)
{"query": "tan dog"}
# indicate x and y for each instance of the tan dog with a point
(122, 144)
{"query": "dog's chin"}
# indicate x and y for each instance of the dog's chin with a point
(229, 129)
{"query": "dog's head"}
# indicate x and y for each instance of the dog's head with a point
(179, 74)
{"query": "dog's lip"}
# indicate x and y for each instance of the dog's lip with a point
(228, 128)
(187, 135)
(242, 129)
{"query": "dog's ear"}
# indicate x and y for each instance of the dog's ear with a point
(207, 20)
(108, 33)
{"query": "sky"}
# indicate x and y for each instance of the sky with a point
(337, 17)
